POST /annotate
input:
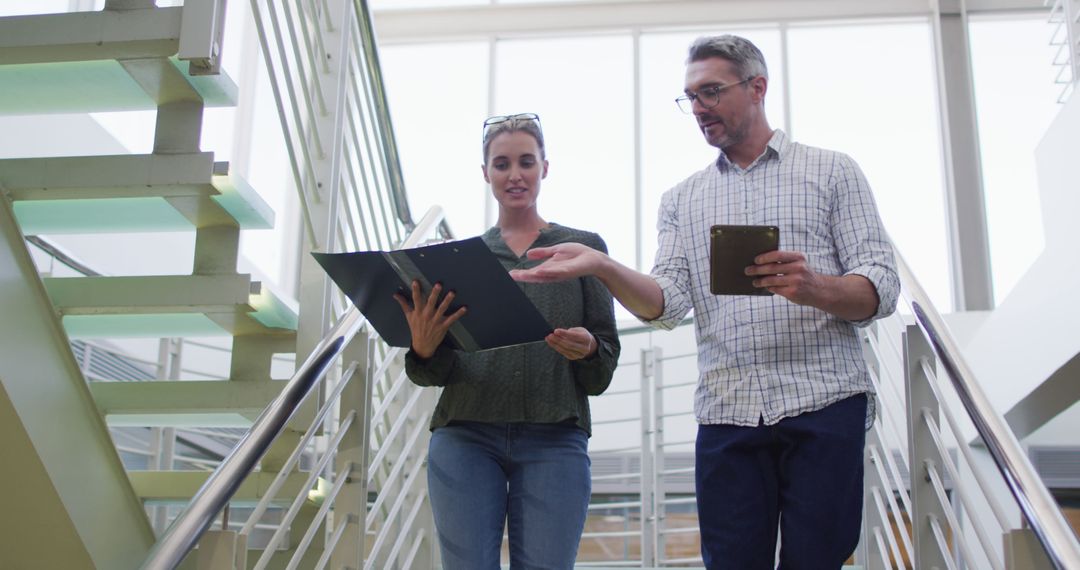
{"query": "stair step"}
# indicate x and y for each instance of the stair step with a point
(158, 487)
(130, 193)
(68, 63)
(168, 306)
(183, 403)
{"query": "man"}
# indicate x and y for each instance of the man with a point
(783, 397)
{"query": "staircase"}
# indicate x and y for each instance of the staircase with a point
(347, 477)
(130, 56)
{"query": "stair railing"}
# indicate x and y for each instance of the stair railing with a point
(184, 533)
(921, 376)
(324, 69)
(1065, 21)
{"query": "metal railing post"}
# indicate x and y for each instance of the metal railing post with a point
(658, 451)
(428, 555)
(648, 466)
(923, 452)
(871, 518)
(350, 509)
(1072, 36)
(872, 553)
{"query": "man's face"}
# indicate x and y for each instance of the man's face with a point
(727, 123)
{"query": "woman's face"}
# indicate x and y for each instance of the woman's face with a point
(515, 169)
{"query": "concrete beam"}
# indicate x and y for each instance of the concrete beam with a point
(86, 36)
(509, 20)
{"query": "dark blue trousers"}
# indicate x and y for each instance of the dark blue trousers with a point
(803, 475)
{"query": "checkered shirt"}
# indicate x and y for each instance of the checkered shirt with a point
(764, 358)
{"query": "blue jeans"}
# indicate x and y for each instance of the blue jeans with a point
(532, 477)
(803, 475)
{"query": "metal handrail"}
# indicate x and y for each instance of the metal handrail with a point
(1035, 502)
(185, 531)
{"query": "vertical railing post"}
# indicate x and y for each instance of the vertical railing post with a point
(350, 508)
(1072, 36)
(870, 554)
(428, 556)
(648, 469)
(163, 440)
(922, 450)
(867, 552)
(658, 451)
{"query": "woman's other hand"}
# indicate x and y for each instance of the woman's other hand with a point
(427, 318)
(574, 343)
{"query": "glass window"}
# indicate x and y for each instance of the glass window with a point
(869, 91)
(582, 88)
(404, 4)
(673, 147)
(438, 101)
(265, 165)
(33, 7)
(1016, 100)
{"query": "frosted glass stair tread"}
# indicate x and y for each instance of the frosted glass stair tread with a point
(130, 193)
(93, 87)
(184, 403)
(168, 306)
(180, 486)
(67, 63)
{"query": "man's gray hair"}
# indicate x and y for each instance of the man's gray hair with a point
(742, 54)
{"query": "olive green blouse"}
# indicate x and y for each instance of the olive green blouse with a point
(529, 382)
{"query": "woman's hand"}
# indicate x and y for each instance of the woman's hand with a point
(427, 318)
(574, 344)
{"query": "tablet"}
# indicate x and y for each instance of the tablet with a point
(731, 250)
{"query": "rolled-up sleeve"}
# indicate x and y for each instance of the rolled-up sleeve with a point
(862, 244)
(671, 269)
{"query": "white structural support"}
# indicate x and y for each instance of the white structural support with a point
(969, 242)
(648, 460)
(523, 19)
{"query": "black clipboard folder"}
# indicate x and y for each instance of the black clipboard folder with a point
(499, 314)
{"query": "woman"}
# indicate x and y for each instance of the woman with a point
(510, 432)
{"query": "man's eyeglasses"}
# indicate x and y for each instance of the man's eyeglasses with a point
(497, 119)
(709, 97)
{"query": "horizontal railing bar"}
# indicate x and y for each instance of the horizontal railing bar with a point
(875, 454)
(950, 516)
(679, 530)
(679, 385)
(316, 522)
(331, 544)
(309, 483)
(421, 536)
(611, 534)
(621, 392)
(965, 499)
(620, 505)
(894, 547)
(616, 476)
(186, 529)
(294, 457)
(616, 421)
(942, 543)
(392, 477)
(950, 418)
(1032, 496)
(614, 450)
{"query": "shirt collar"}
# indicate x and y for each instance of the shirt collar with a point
(777, 147)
